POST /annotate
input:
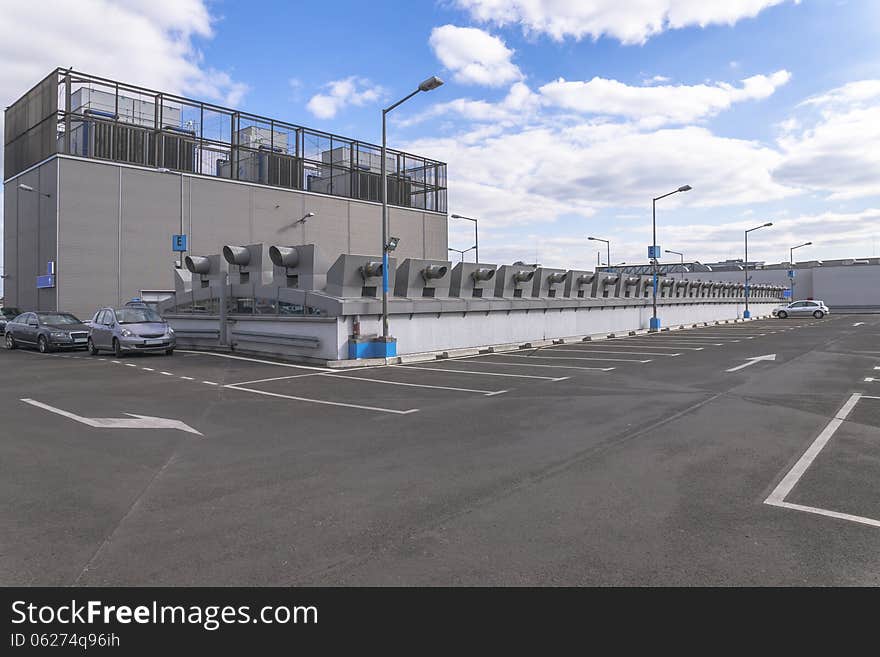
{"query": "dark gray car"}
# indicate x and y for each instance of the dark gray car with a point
(7, 314)
(47, 331)
(133, 328)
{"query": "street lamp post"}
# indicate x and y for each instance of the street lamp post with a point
(680, 255)
(607, 248)
(655, 322)
(791, 263)
(746, 313)
(476, 235)
(426, 85)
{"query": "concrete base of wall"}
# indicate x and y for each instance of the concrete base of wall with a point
(325, 340)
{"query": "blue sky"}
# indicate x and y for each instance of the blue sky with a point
(559, 118)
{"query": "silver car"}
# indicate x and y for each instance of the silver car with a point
(133, 328)
(816, 308)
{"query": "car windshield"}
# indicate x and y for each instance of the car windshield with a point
(57, 318)
(137, 315)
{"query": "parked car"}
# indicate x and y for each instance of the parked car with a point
(817, 309)
(132, 328)
(7, 314)
(47, 331)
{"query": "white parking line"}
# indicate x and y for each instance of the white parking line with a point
(618, 360)
(187, 378)
(211, 383)
(276, 378)
(692, 343)
(166, 373)
(324, 401)
(256, 360)
(561, 367)
(659, 346)
(130, 365)
(609, 351)
(454, 371)
(148, 369)
(790, 480)
(415, 385)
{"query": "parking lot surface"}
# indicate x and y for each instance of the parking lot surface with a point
(727, 454)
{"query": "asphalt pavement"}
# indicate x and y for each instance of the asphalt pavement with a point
(730, 454)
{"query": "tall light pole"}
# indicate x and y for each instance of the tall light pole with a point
(680, 255)
(655, 322)
(791, 263)
(426, 85)
(746, 313)
(476, 235)
(607, 247)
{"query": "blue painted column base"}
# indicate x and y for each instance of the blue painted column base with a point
(655, 323)
(747, 315)
(371, 347)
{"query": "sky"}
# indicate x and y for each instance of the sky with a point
(559, 119)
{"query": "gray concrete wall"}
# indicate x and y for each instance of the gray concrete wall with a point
(116, 224)
(29, 237)
(853, 286)
(844, 286)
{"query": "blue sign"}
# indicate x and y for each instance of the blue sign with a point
(654, 252)
(46, 281)
(786, 294)
(791, 273)
(178, 243)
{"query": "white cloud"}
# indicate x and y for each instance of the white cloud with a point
(628, 22)
(147, 43)
(555, 169)
(657, 105)
(838, 151)
(342, 93)
(473, 56)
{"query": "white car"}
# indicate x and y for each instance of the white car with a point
(817, 309)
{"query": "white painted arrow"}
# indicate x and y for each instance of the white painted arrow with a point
(133, 422)
(858, 323)
(752, 361)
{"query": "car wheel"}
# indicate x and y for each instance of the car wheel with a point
(91, 347)
(782, 314)
(818, 314)
(10, 341)
(169, 352)
(43, 345)
(117, 348)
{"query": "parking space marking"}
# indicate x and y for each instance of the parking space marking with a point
(790, 480)
(148, 369)
(211, 383)
(488, 393)
(618, 360)
(130, 365)
(256, 360)
(609, 351)
(658, 346)
(187, 378)
(275, 378)
(377, 409)
(562, 367)
(167, 373)
(507, 374)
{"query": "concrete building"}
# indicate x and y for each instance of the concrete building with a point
(100, 175)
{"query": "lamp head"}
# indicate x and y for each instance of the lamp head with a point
(769, 223)
(431, 83)
(685, 188)
(392, 244)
